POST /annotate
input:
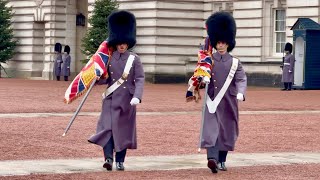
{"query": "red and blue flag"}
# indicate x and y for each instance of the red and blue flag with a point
(95, 68)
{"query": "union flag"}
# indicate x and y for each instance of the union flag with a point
(95, 68)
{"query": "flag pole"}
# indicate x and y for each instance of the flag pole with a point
(79, 107)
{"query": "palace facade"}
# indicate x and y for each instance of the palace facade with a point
(169, 33)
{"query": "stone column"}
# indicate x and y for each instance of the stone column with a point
(71, 33)
(55, 31)
(82, 7)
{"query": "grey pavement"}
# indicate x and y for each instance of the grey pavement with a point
(148, 163)
(30, 115)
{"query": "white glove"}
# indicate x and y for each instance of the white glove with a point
(290, 71)
(240, 96)
(206, 80)
(134, 101)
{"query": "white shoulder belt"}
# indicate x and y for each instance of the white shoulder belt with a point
(124, 77)
(212, 105)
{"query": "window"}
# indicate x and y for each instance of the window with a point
(222, 6)
(280, 30)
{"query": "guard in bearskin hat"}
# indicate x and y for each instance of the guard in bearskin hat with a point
(226, 86)
(288, 67)
(57, 61)
(66, 58)
(116, 128)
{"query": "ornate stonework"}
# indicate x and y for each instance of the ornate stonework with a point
(38, 2)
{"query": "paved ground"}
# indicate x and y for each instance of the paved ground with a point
(152, 163)
(279, 135)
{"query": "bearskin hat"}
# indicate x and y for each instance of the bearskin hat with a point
(288, 47)
(58, 47)
(67, 49)
(221, 26)
(122, 28)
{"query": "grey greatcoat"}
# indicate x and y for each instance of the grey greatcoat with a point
(221, 128)
(57, 64)
(66, 58)
(118, 117)
(288, 68)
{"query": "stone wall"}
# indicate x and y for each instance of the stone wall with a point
(168, 34)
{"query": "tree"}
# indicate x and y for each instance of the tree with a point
(7, 42)
(99, 30)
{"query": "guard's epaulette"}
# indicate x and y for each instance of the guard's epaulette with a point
(133, 53)
(235, 57)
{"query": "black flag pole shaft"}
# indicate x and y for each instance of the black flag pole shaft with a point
(79, 107)
(202, 117)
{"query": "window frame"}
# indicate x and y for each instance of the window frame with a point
(275, 32)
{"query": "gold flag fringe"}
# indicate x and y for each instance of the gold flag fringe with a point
(86, 89)
(79, 94)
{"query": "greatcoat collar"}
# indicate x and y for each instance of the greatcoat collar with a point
(123, 56)
(224, 57)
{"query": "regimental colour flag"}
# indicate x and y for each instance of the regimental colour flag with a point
(94, 69)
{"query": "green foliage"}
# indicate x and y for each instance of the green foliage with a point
(7, 43)
(99, 30)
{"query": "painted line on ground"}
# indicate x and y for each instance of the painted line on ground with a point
(148, 163)
(35, 115)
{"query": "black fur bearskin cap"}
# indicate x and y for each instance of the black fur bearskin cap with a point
(221, 26)
(122, 28)
(58, 47)
(288, 47)
(67, 49)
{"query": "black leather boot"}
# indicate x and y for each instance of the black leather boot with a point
(119, 166)
(108, 164)
(213, 165)
(222, 166)
(285, 87)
